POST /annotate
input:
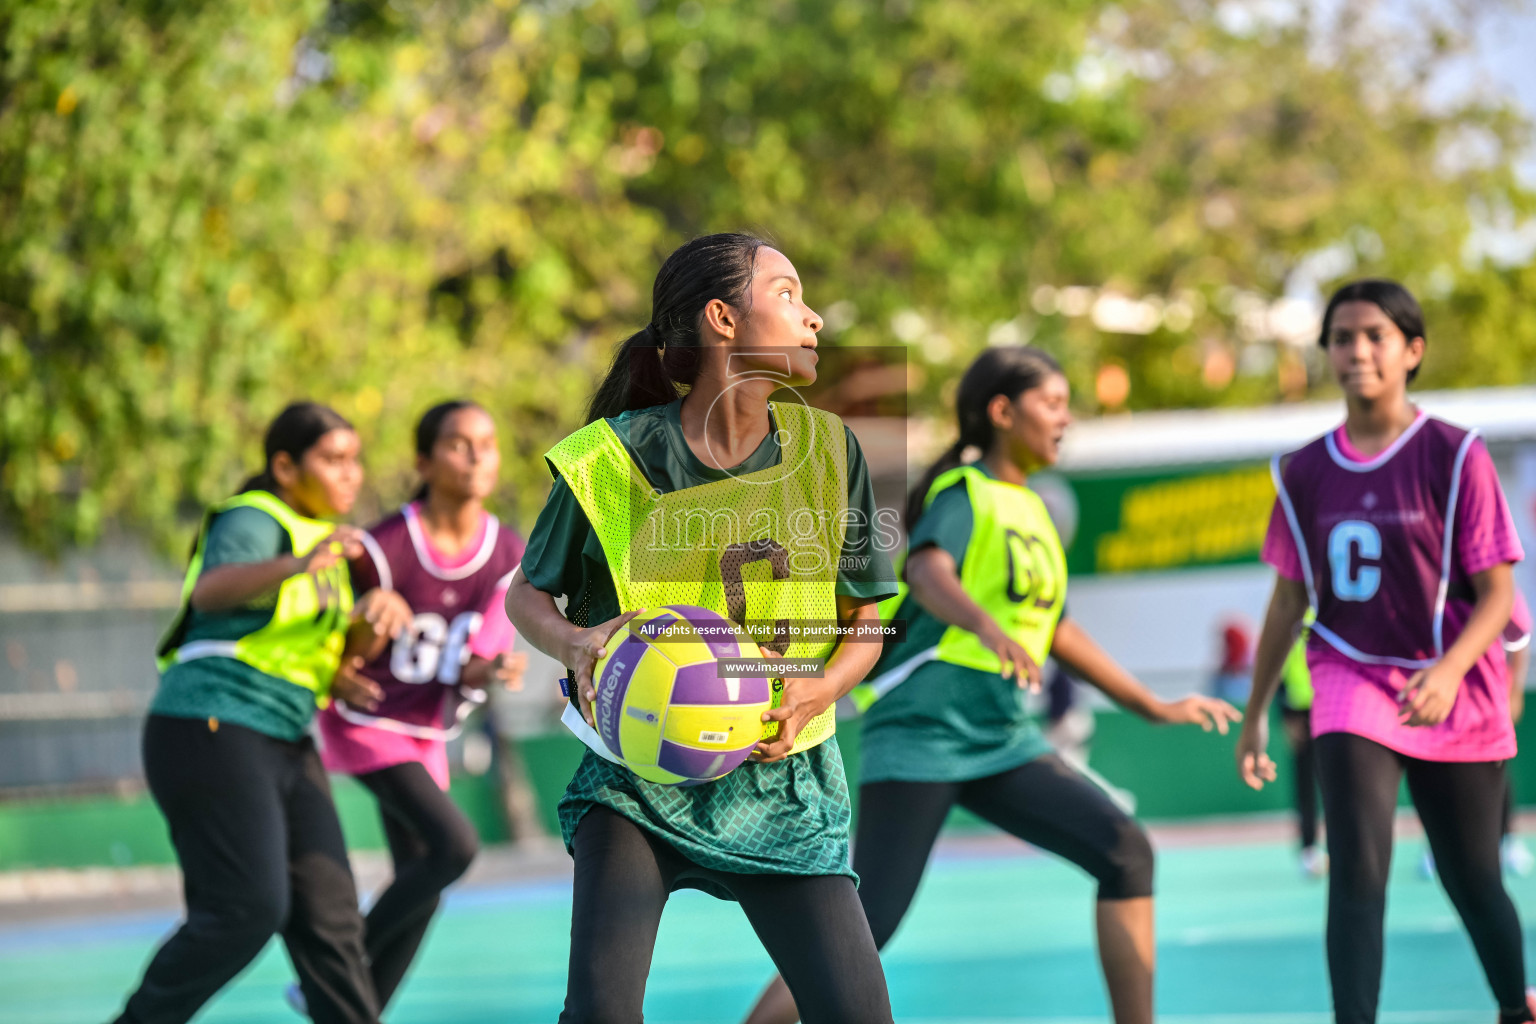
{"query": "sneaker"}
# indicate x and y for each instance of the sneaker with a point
(294, 997)
(1314, 862)
(1517, 857)
(1427, 866)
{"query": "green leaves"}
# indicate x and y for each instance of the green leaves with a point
(205, 213)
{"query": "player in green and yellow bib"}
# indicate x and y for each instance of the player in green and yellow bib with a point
(266, 612)
(682, 430)
(945, 719)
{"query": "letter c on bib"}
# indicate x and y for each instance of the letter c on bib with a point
(1352, 544)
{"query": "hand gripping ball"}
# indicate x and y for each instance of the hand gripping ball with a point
(662, 707)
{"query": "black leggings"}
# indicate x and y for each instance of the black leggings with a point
(261, 854)
(1043, 802)
(811, 925)
(432, 843)
(1460, 805)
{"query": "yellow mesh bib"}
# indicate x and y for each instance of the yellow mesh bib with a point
(1014, 568)
(303, 641)
(760, 548)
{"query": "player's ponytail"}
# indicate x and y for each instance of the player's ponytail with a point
(1009, 371)
(430, 427)
(658, 363)
(295, 430)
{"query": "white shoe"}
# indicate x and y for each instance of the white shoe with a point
(294, 997)
(1517, 857)
(1427, 866)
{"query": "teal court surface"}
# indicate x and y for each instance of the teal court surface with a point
(997, 935)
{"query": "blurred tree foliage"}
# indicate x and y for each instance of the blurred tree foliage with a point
(206, 210)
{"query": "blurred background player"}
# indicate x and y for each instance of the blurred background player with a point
(1234, 672)
(1296, 720)
(948, 724)
(266, 610)
(1068, 720)
(451, 561)
(1393, 528)
(728, 320)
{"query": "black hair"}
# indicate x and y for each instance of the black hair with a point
(430, 427)
(1010, 371)
(296, 430)
(659, 362)
(1391, 298)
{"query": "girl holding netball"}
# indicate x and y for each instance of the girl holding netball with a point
(266, 611)
(1393, 529)
(451, 561)
(683, 425)
(987, 578)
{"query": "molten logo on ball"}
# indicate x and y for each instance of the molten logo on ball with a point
(661, 706)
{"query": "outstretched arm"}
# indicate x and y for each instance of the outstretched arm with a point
(1074, 648)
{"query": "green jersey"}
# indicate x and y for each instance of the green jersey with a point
(265, 664)
(953, 716)
(789, 817)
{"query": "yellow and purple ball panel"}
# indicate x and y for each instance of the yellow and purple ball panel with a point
(662, 707)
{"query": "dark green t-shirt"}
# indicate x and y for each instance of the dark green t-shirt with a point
(789, 817)
(224, 688)
(565, 556)
(944, 723)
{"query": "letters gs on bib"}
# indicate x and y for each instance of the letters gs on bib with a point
(1353, 545)
(1029, 570)
(432, 649)
(732, 560)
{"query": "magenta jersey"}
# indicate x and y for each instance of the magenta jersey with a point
(456, 606)
(1375, 540)
(1386, 547)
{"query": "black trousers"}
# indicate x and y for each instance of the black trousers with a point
(1461, 806)
(431, 843)
(811, 925)
(261, 854)
(1043, 802)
